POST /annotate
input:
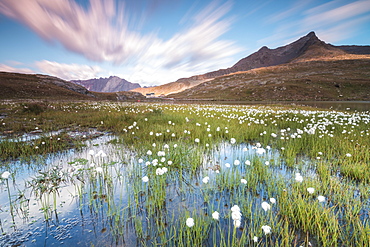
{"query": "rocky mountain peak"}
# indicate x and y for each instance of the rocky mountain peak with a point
(263, 48)
(312, 34)
(310, 39)
(306, 48)
(110, 84)
(265, 57)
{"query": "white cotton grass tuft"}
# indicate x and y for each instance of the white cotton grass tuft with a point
(5, 175)
(311, 190)
(235, 208)
(145, 179)
(266, 229)
(161, 171)
(321, 198)
(265, 206)
(236, 215)
(236, 162)
(260, 151)
(216, 215)
(298, 177)
(237, 223)
(190, 222)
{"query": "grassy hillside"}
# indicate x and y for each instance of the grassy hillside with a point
(347, 79)
(27, 86)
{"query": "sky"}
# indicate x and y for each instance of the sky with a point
(153, 42)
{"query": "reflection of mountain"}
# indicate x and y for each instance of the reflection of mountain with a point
(111, 84)
(307, 48)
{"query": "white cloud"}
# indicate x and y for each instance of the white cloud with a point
(68, 71)
(337, 14)
(297, 6)
(87, 32)
(193, 51)
(333, 22)
(342, 30)
(101, 33)
(7, 68)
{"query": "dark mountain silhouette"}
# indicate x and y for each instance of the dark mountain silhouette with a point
(111, 84)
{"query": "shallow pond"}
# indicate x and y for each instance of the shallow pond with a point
(100, 194)
(106, 195)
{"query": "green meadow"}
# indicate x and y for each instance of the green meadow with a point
(158, 174)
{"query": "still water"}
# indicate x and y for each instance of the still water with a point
(97, 197)
(92, 207)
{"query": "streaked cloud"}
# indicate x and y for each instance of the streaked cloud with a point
(88, 32)
(7, 68)
(194, 50)
(337, 14)
(68, 71)
(297, 7)
(342, 30)
(333, 22)
(101, 32)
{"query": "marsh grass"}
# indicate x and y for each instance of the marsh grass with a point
(177, 146)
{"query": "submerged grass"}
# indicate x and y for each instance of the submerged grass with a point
(299, 177)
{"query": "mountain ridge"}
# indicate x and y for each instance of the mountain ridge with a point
(107, 85)
(308, 47)
(324, 80)
(36, 86)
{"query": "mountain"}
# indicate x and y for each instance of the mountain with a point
(331, 79)
(111, 84)
(355, 49)
(34, 86)
(307, 48)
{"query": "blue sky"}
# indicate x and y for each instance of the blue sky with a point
(153, 42)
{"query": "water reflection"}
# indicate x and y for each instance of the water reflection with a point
(104, 202)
